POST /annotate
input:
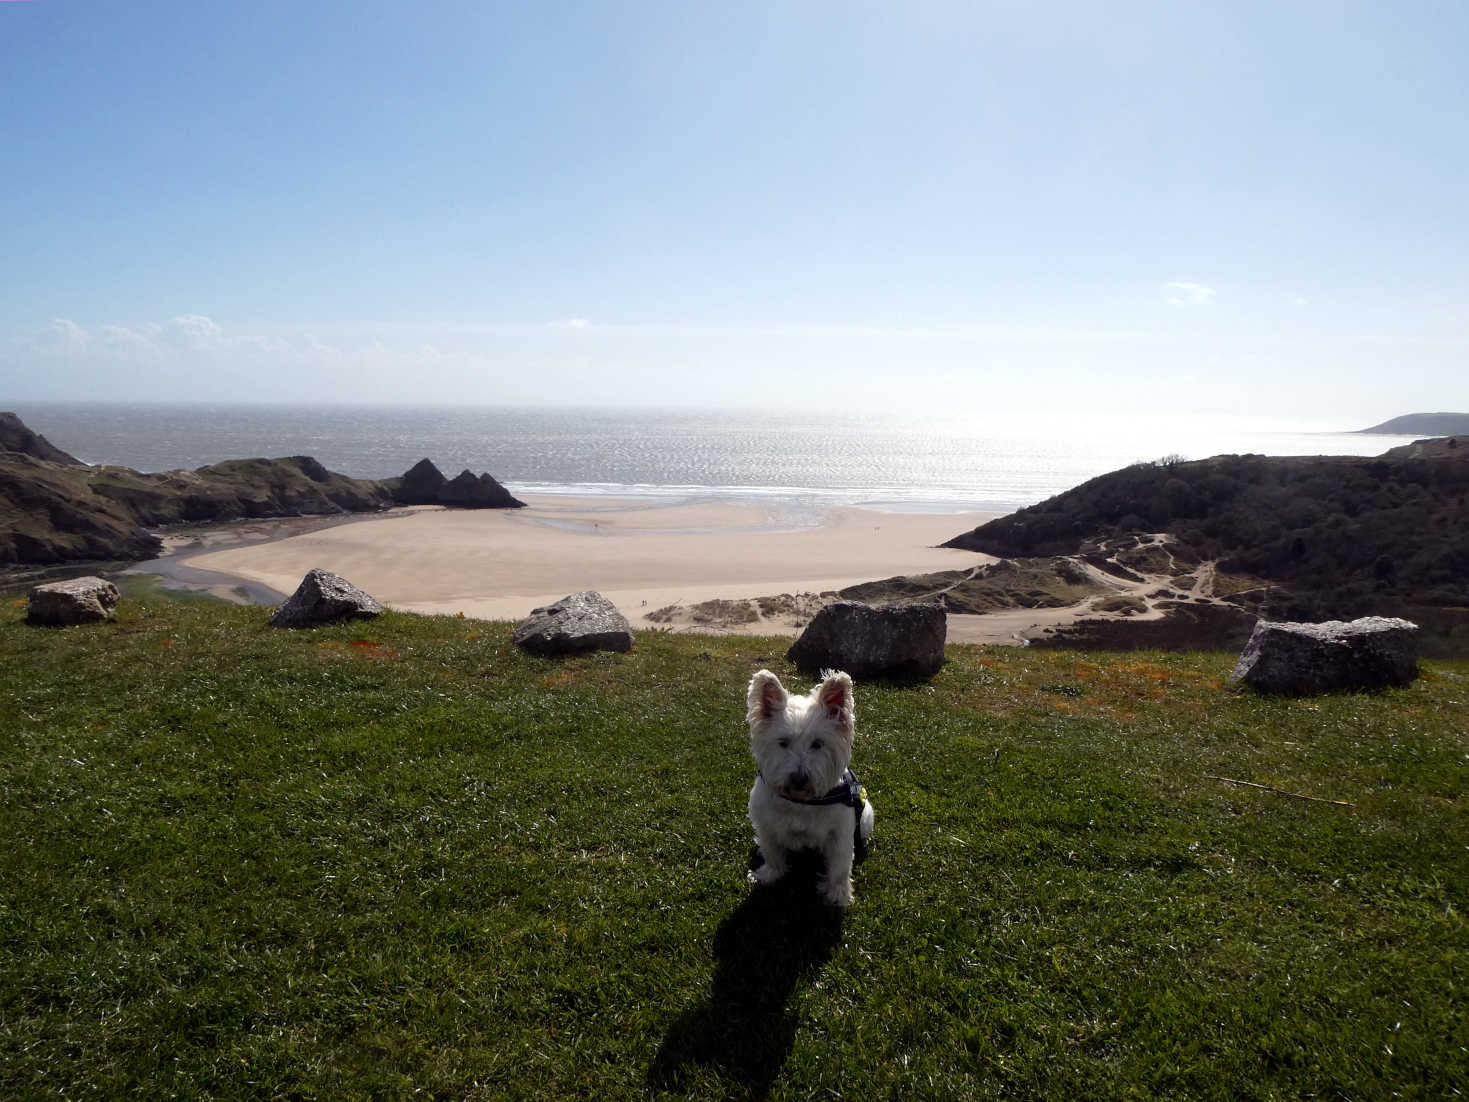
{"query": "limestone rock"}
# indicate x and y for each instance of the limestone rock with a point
(324, 598)
(1285, 657)
(421, 484)
(466, 491)
(902, 640)
(425, 484)
(75, 601)
(580, 622)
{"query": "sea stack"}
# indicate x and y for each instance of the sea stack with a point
(425, 484)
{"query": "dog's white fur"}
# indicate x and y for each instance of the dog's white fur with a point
(802, 745)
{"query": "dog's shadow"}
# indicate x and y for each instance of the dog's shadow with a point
(744, 1030)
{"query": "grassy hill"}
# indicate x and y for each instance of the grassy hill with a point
(57, 510)
(55, 513)
(404, 859)
(1335, 536)
(1425, 424)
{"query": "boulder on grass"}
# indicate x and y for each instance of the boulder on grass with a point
(324, 598)
(75, 601)
(901, 640)
(1285, 657)
(581, 622)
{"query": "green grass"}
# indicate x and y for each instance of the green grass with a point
(153, 588)
(403, 859)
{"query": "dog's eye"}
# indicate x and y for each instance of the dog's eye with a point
(784, 744)
(817, 744)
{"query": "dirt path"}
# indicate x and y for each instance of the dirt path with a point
(1137, 578)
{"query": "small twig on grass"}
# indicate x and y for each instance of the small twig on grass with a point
(1279, 791)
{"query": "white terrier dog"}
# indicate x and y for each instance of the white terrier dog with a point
(805, 797)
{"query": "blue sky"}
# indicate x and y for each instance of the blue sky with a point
(1246, 208)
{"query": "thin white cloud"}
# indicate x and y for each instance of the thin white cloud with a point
(123, 341)
(975, 367)
(1180, 293)
(62, 335)
(188, 339)
(192, 331)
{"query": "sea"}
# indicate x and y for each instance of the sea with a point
(944, 463)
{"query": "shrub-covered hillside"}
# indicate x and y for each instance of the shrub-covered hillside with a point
(1344, 536)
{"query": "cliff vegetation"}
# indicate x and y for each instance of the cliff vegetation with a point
(1331, 537)
(55, 509)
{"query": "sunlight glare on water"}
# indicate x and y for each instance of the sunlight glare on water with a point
(948, 462)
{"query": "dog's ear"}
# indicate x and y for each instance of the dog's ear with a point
(766, 696)
(835, 697)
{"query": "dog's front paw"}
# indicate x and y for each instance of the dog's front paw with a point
(837, 892)
(765, 875)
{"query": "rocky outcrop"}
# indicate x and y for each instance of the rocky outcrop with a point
(902, 640)
(51, 513)
(324, 598)
(1300, 658)
(238, 489)
(1448, 447)
(1325, 537)
(582, 622)
(425, 484)
(420, 484)
(15, 437)
(56, 510)
(75, 601)
(466, 491)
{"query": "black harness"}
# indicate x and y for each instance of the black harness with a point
(850, 791)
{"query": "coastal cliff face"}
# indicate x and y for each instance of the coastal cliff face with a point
(53, 513)
(56, 510)
(16, 437)
(50, 513)
(239, 488)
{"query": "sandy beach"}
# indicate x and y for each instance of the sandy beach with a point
(661, 562)
(643, 554)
